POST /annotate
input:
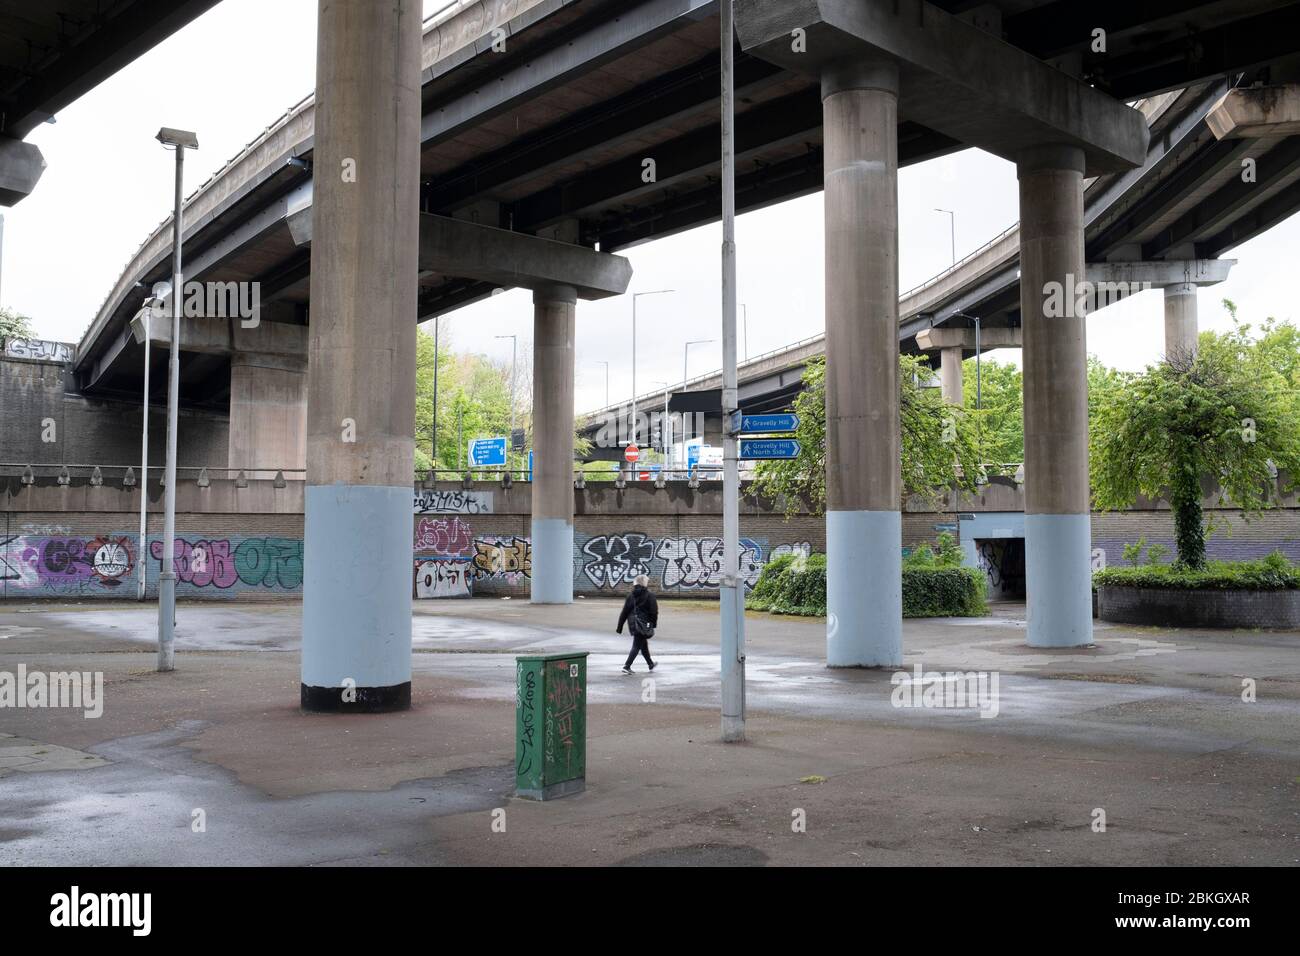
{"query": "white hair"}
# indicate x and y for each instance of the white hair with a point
(643, 580)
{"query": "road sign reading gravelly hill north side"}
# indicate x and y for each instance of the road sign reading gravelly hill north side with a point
(768, 448)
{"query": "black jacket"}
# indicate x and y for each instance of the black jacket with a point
(644, 602)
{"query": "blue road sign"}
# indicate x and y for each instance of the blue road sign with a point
(692, 456)
(763, 424)
(766, 448)
(487, 452)
(530, 464)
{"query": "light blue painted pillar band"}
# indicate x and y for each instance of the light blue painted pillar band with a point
(1058, 579)
(552, 545)
(864, 591)
(356, 611)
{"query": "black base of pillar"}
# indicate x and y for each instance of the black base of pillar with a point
(367, 700)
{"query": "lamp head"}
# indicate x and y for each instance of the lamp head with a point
(181, 139)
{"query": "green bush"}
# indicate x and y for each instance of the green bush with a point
(944, 592)
(795, 585)
(1273, 573)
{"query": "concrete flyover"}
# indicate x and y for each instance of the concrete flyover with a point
(54, 51)
(1164, 225)
(552, 133)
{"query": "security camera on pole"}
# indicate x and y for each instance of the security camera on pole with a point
(180, 140)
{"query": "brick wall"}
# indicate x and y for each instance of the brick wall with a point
(247, 543)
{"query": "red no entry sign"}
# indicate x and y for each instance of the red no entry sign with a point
(632, 453)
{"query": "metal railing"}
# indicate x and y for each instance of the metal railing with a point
(202, 474)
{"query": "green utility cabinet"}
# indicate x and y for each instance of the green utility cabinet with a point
(550, 725)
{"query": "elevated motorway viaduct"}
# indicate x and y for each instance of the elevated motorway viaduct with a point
(53, 51)
(538, 125)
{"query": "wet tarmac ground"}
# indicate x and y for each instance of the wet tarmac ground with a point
(162, 752)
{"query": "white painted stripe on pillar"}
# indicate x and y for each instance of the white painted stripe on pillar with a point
(864, 588)
(1058, 579)
(357, 578)
(552, 545)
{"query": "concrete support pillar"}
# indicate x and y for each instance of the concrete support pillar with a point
(268, 413)
(1058, 536)
(863, 484)
(950, 375)
(1180, 320)
(356, 620)
(554, 311)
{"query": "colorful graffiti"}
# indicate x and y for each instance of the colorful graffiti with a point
(508, 559)
(453, 502)
(442, 578)
(253, 562)
(614, 561)
(445, 537)
(64, 564)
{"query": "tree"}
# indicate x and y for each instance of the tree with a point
(937, 442)
(15, 325)
(999, 424)
(1228, 413)
(473, 401)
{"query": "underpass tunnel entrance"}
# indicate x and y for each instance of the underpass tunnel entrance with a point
(1003, 562)
(994, 542)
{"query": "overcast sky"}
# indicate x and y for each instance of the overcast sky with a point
(109, 184)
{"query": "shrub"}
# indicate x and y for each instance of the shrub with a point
(795, 585)
(944, 592)
(1273, 573)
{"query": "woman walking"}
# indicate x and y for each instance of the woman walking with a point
(641, 614)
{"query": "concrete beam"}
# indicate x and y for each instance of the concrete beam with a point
(1161, 272)
(21, 166)
(949, 338)
(1256, 111)
(471, 250)
(217, 336)
(954, 77)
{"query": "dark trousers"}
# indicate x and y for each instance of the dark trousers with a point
(639, 646)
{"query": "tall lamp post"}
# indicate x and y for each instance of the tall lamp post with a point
(686, 352)
(635, 296)
(514, 348)
(952, 230)
(731, 591)
(140, 329)
(180, 140)
(979, 425)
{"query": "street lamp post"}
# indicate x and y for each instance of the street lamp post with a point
(635, 296)
(514, 346)
(179, 140)
(686, 352)
(952, 230)
(731, 590)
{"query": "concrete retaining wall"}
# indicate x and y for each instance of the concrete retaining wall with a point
(80, 541)
(1168, 607)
